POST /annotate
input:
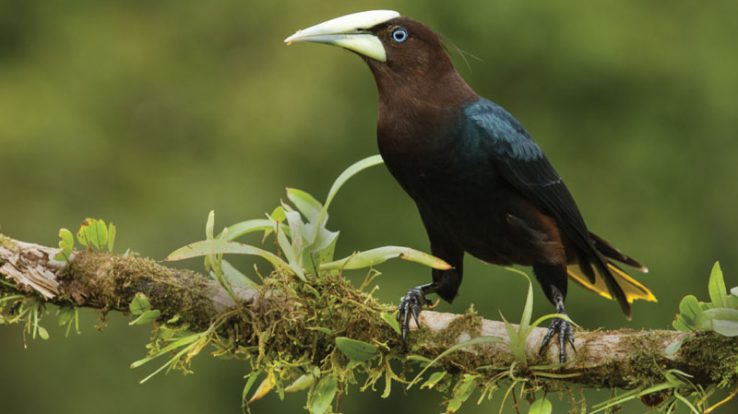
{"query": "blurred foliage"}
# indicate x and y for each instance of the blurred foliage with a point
(152, 113)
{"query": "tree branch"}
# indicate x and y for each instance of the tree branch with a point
(621, 358)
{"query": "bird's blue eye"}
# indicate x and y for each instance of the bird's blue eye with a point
(399, 35)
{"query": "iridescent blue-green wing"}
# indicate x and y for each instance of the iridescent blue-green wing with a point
(518, 159)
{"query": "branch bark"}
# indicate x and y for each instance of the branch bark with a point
(620, 358)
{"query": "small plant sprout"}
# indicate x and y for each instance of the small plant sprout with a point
(720, 314)
(518, 337)
(93, 234)
(96, 235)
(305, 244)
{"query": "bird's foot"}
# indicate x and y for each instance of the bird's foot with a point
(565, 332)
(410, 306)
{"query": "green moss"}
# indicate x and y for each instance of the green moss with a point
(646, 360)
(462, 327)
(115, 280)
(709, 357)
(713, 354)
(468, 325)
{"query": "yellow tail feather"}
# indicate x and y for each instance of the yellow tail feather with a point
(634, 290)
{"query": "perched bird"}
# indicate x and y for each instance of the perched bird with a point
(481, 184)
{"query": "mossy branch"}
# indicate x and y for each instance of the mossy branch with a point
(288, 312)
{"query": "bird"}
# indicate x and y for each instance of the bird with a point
(480, 182)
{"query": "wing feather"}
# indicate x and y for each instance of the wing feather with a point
(522, 163)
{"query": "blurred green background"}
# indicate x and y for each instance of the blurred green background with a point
(150, 114)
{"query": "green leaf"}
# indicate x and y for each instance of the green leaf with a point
(321, 329)
(42, 332)
(82, 233)
(686, 402)
(380, 255)
(278, 214)
(630, 395)
(462, 392)
(65, 316)
(219, 246)
(690, 309)
(245, 227)
(297, 237)
(285, 246)
(297, 229)
(345, 176)
(211, 259)
(673, 348)
(146, 317)
(541, 406)
(69, 317)
(303, 382)
(182, 342)
(290, 254)
(681, 325)
(250, 380)
(66, 239)
(723, 320)
(139, 304)
(517, 347)
(235, 277)
(264, 388)
(433, 380)
(716, 287)
(356, 350)
(305, 203)
(93, 233)
(112, 232)
(66, 245)
(101, 235)
(209, 226)
(527, 311)
(325, 245)
(322, 395)
(419, 358)
(391, 321)
(527, 315)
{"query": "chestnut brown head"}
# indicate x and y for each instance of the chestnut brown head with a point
(397, 49)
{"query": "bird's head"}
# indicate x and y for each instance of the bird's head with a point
(400, 51)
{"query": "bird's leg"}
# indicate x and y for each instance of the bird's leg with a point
(411, 304)
(559, 327)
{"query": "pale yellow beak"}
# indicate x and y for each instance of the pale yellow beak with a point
(349, 32)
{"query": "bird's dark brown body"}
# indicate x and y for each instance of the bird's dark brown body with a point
(481, 184)
(468, 199)
(463, 202)
(465, 205)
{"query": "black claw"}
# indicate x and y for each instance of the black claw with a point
(565, 333)
(570, 337)
(410, 306)
(416, 314)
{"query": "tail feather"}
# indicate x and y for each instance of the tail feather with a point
(602, 267)
(633, 289)
(586, 265)
(611, 281)
(614, 253)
